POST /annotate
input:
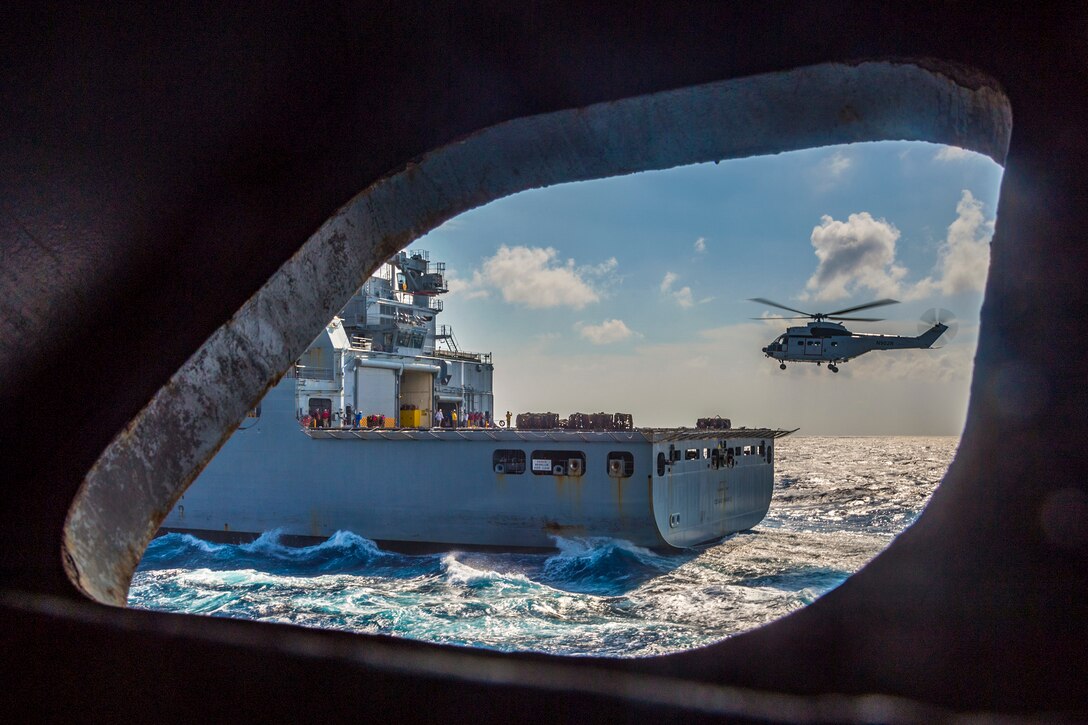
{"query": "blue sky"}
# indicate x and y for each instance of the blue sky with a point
(631, 294)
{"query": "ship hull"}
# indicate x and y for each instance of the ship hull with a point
(491, 487)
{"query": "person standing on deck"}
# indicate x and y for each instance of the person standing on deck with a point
(438, 417)
(453, 418)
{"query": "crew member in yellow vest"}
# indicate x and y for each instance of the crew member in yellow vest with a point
(453, 418)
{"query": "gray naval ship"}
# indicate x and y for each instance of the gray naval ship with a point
(359, 435)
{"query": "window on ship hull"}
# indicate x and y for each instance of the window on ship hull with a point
(508, 461)
(620, 464)
(558, 463)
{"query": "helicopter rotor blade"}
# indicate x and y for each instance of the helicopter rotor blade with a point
(763, 301)
(780, 318)
(855, 319)
(858, 308)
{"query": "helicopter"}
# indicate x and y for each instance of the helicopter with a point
(823, 341)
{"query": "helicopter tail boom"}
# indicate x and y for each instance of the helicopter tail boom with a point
(923, 341)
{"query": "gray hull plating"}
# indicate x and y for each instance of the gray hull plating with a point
(671, 488)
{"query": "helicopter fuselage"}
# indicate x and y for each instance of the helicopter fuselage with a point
(830, 342)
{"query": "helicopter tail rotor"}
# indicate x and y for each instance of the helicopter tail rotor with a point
(937, 315)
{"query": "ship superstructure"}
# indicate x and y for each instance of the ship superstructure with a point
(385, 356)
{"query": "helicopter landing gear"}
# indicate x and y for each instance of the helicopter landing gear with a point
(832, 368)
(782, 366)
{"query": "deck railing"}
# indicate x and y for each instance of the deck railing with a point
(311, 373)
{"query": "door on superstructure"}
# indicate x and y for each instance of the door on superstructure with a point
(377, 392)
(417, 393)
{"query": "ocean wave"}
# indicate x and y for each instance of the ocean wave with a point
(341, 552)
(603, 566)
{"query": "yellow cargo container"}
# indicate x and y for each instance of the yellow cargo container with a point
(410, 418)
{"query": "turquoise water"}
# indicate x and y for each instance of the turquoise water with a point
(837, 503)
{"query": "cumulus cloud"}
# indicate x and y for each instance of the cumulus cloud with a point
(860, 253)
(853, 254)
(605, 333)
(964, 256)
(700, 245)
(599, 270)
(837, 164)
(463, 287)
(952, 153)
(950, 364)
(682, 296)
(533, 277)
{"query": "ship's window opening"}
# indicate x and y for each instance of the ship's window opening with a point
(558, 463)
(706, 453)
(320, 404)
(675, 454)
(622, 464)
(508, 461)
(691, 454)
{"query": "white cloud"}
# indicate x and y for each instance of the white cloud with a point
(682, 296)
(949, 364)
(531, 276)
(700, 245)
(856, 253)
(952, 153)
(469, 290)
(599, 270)
(964, 256)
(837, 164)
(860, 253)
(605, 333)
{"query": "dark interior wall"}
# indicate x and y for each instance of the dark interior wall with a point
(157, 167)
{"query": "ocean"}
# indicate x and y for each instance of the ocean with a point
(838, 501)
